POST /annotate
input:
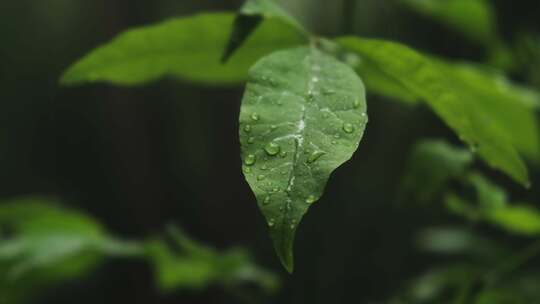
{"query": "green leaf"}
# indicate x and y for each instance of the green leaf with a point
(473, 18)
(194, 266)
(302, 116)
(187, 48)
(432, 164)
(250, 16)
(483, 119)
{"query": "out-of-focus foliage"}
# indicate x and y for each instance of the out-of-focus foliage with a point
(432, 164)
(482, 118)
(187, 48)
(189, 265)
(492, 205)
(43, 245)
(475, 19)
(477, 270)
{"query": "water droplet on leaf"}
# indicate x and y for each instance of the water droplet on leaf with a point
(247, 128)
(272, 148)
(250, 160)
(261, 177)
(255, 117)
(348, 128)
(311, 199)
(315, 156)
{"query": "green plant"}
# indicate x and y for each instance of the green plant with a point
(304, 110)
(45, 245)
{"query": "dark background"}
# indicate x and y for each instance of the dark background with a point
(139, 158)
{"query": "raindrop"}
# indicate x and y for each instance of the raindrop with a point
(337, 135)
(251, 140)
(283, 154)
(255, 116)
(348, 128)
(250, 160)
(356, 104)
(247, 128)
(292, 226)
(247, 170)
(271, 222)
(334, 142)
(261, 177)
(273, 127)
(264, 167)
(266, 200)
(315, 156)
(311, 199)
(272, 148)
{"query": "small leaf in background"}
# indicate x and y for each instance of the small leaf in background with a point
(475, 19)
(189, 265)
(484, 120)
(432, 164)
(302, 116)
(458, 241)
(491, 205)
(250, 16)
(188, 48)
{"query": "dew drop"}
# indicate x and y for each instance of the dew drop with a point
(271, 222)
(283, 154)
(250, 160)
(266, 200)
(334, 142)
(247, 170)
(348, 128)
(251, 140)
(255, 116)
(315, 156)
(337, 135)
(264, 167)
(273, 127)
(261, 177)
(247, 128)
(311, 199)
(292, 226)
(272, 148)
(356, 104)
